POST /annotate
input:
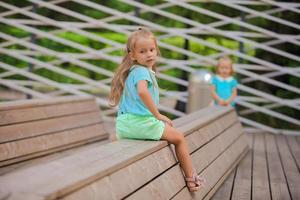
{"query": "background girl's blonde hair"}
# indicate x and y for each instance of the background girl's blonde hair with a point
(118, 82)
(225, 59)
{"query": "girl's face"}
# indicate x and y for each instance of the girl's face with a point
(144, 52)
(224, 68)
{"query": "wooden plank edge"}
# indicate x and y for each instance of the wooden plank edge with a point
(227, 173)
(53, 150)
(42, 102)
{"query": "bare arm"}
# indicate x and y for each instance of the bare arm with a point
(215, 95)
(232, 97)
(145, 96)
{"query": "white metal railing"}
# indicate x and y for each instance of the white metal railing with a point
(256, 69)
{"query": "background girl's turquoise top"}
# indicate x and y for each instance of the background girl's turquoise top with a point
(224, 87)
(130, 100)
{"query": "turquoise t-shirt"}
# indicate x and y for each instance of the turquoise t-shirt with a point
(130, 100)
(224, 87)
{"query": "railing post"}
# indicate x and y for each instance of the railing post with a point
(199, 90)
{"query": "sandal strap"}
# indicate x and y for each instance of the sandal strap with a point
(196, 179)
(189, 179)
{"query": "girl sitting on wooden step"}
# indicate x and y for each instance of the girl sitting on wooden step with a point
(134, 88)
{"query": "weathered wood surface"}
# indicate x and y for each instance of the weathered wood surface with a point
(270, 169)
(134, 169)
(33, 128)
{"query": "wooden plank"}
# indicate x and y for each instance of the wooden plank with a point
(227, 173)
(214, 112)
(208, 153)
(134, 176)
(294, 148)
(41, 127)
(81, 169)
(290, 168)
(186, 195)
(202, 119)
(49, 155)
(261, 188)
(230, 189)
(298, 139)
(46, 111)
(77, 170)
(137, 176)
(41, 102)
(216, 170)
(224, 193)
(210, 131)
(242, 182)
(27, 146)
(164, 187)
(278, 184)
(49, 151)
(200, 159)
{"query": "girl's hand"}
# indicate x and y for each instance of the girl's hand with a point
(227, 103)
(222, 103)
(165, 119)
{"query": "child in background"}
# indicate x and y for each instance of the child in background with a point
(134, 88)
(223, 88)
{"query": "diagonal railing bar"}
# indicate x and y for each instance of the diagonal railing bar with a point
(261, 14)
(268, 96)
(254, 2)
(269, 75)
(222, 23)
(81, 25)
(233, 20)
(23, 89)
(250, 111)
(238, 52)
(72, 75)
(61, 56)
(55, 69)
(65, 11)
(178, 81)
(281, 5)
(258, 125)
(55, 23)
(215, 46)
(100, 101)
(58, 62)
(268, 112)
(213, 30)
(49, 82)
(107, 19)
(150, 24)
(268, 80)
(27, 8)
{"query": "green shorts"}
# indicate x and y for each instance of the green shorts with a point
(131, 126)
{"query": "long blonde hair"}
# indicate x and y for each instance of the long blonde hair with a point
(118, 81)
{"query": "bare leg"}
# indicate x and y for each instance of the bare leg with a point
(175, 137)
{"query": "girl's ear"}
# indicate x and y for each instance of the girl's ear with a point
(131, 55)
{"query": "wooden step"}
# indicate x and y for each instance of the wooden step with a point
(31, 128)
(137, 169)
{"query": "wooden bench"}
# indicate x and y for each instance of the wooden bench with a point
(131, 169)
(32, 128)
